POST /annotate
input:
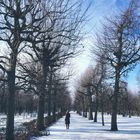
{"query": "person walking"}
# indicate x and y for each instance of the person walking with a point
(67, 119)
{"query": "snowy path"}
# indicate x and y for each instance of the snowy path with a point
(83, 129)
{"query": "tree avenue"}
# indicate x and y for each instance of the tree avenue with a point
(15, 29)
(118, 46)
(120, 43)
(44, 32)
(39, 38)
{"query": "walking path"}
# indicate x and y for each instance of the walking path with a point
(83, 129)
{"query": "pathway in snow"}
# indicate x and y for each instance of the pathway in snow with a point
(83, 129)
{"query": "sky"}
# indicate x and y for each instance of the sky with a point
(98, 10)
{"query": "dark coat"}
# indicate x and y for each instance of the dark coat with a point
(67, 118)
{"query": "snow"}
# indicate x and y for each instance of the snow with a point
(18, 119)
(84, 129)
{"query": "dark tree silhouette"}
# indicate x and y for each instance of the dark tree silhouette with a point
(120, 44)
(18, 24)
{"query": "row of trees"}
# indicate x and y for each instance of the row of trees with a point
(37, 39)
(88, 100)
(27, 102)
(117, 51)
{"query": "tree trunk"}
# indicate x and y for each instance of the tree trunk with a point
(96, 106)
(102, 106)
(54, 104)
(10, 106)
(11, 99)
(83, 107)
(115, 102)
(41, 104)
(95, 115)
(90, 113)
(54, 112)
(42, 90)
(86, 110)
(40, 118)
(129, 110)
(90, 109)
(49, 95)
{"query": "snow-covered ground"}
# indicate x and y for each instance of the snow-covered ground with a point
(83, 129)
(19, 119)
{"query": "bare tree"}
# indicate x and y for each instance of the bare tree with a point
(59, 93)
(98, 76)
(120, 44)
(18, 24)
(85, 89)
(59, 42)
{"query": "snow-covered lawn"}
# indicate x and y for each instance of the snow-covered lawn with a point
(19, 119)
(83, 129)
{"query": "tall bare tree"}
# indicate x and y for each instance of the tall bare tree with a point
(59, 42)
(120, 44)
(18, 24)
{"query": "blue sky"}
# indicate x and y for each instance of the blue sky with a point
(97, 12)
(100, 9)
